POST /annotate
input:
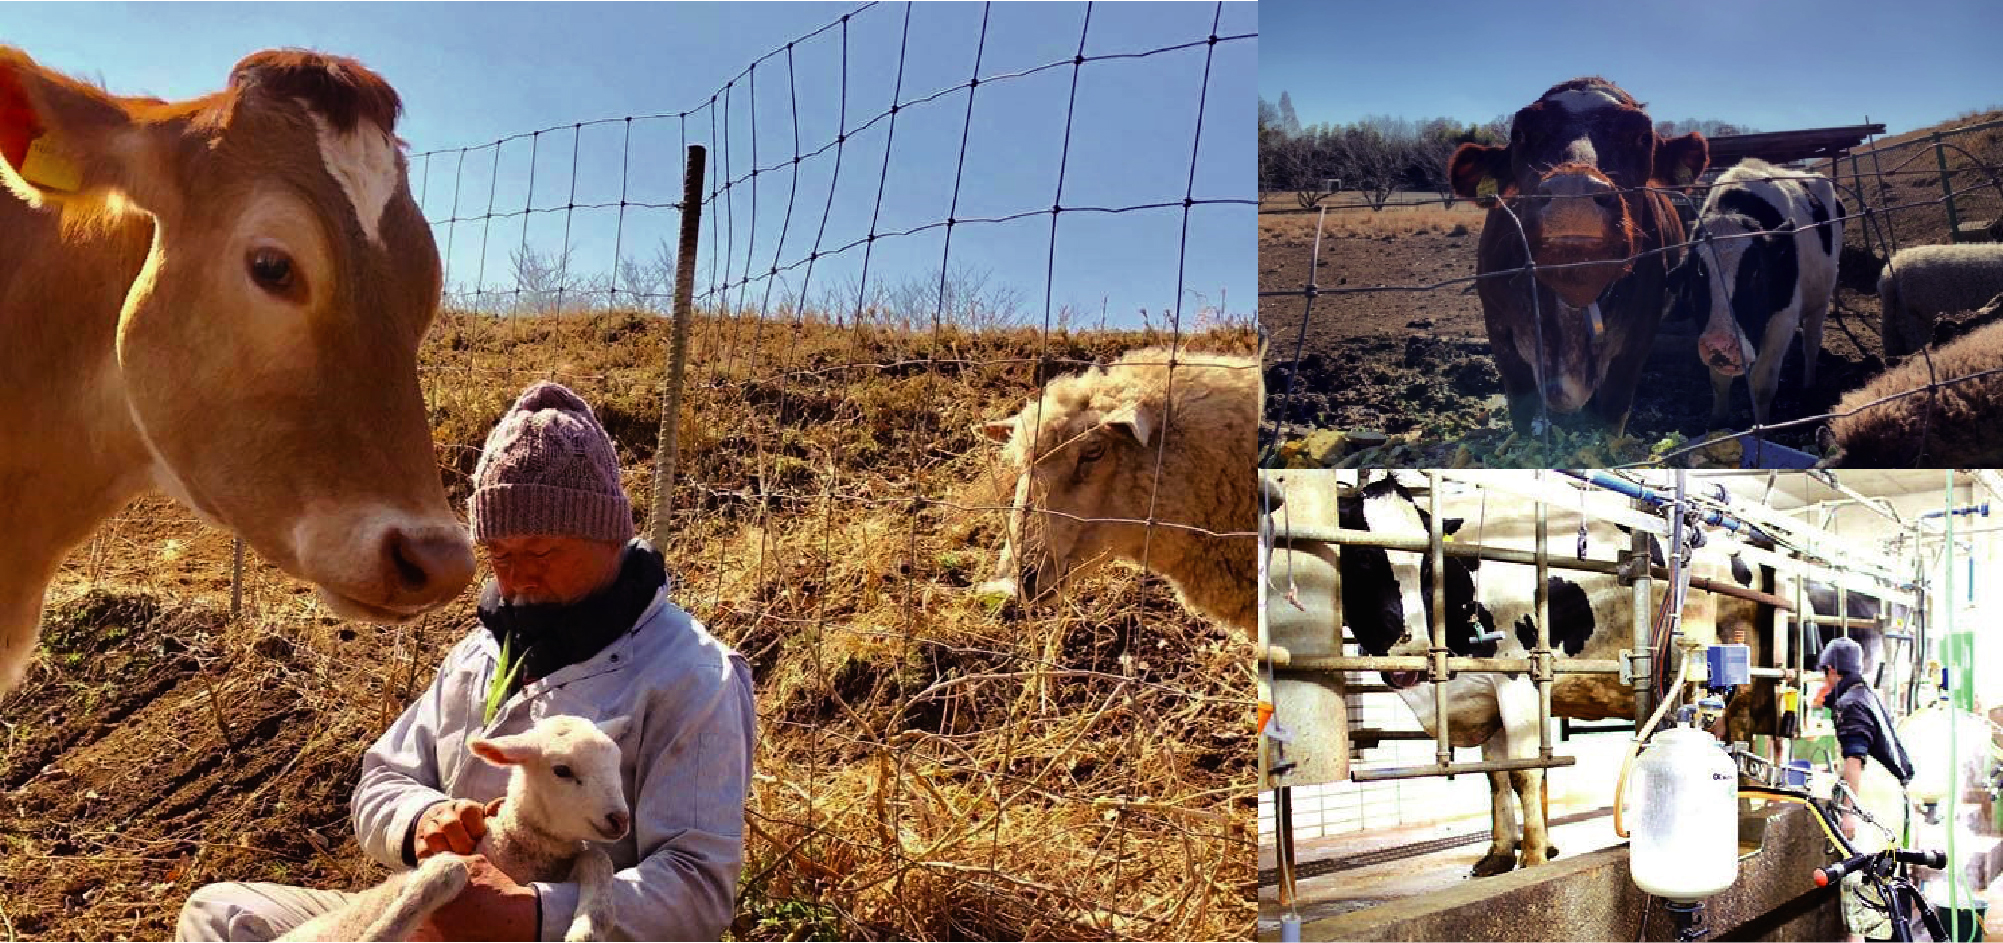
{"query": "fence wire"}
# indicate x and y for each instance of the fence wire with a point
(1878, 220)
(933, 762)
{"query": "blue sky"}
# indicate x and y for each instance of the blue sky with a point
(1774, 65)
(470, 74)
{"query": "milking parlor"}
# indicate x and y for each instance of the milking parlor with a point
(1630, 705)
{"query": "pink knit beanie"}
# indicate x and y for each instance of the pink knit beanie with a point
(549, 470)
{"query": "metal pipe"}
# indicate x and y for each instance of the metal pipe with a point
(1541, 656)
(1454, 663)
(1283, 825)
(1342, 536)
(1652, 496)
(1436, 541)
(1644, 611)
(1452, 769)
(1846, 622)
(1879, 505)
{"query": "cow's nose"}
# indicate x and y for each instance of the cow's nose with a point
(1578, 208)
(615, 824)
(427, 563)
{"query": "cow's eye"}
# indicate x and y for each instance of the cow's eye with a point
(562, 771)
(272, 270)
(1093, 452)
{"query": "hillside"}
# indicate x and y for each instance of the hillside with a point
(1911, 175)
(928, 768)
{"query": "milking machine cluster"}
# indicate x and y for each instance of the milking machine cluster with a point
(1684, 843)
(1684, 788)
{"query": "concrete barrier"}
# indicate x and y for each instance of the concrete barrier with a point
(1590, 897)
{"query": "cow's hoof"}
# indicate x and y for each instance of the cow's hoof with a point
(1493, 864)
(1550, 852)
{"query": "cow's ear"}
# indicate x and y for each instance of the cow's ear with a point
(61, 139)
(1452, 525)
(1480, 172)
(1681, 160)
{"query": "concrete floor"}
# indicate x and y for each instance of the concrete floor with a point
(1345, 891)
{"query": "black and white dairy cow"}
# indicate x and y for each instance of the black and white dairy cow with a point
(1491, 612)
(1764, 267)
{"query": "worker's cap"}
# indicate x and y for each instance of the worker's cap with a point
(1844, 655)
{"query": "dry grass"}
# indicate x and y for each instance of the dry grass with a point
(928, 767)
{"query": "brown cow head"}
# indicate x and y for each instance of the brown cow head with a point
(266, 353)
(1573, 159)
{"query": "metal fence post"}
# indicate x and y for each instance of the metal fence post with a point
(1946, 190)
(678, 348)
(236, 579)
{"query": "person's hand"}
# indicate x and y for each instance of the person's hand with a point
(492, 907)
(454, 825)
(1849, 825)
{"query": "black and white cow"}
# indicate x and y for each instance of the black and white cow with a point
(1764, 266)
(1491, 611)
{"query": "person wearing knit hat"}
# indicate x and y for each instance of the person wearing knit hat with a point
(576, 619)
(1864, 733)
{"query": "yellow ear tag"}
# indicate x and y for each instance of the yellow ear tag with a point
(1682, 176)
(1486, 188)
(46, 166)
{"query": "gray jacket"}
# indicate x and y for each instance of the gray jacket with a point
(687, 767)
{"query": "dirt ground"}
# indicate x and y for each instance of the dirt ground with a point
(1415, 365)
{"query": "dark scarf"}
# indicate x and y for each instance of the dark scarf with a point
(547, 637)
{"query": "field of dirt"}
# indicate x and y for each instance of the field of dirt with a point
(929, 766)
(1414, 367)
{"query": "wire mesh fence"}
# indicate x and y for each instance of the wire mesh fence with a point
(935, 760)
(1327, 289)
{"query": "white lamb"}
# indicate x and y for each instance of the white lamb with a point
(564, 792)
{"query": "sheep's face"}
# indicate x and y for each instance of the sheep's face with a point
(1081, 491)
(571, 781)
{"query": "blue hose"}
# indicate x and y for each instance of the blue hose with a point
(1659, 499)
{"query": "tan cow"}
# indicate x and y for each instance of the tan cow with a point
(221, 298)
(1099, 454)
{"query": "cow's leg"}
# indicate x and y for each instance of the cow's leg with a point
(1763, 380)
(1763, 377)
(1721, 397)
(1502, 816)
(1529, 784)
(1811, 339)
(1517, 701)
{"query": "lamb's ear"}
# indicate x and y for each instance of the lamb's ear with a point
(1138, 421)
(1000, 430)
(615, 727)
(511, 750)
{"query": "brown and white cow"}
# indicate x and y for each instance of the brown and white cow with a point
(221, 298)
(1572, 173)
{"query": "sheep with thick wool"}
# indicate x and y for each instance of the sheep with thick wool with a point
(1924, 282)
(1161, 436)
(564, 792)
(1951, 426)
